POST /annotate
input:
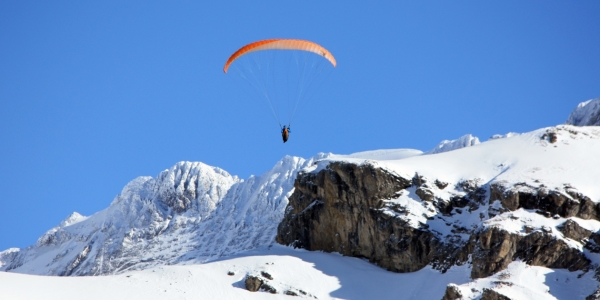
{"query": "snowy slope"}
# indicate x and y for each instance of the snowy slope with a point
(531, 158)
(320, 275)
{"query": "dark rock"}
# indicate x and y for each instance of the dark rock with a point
(489, 294)
(253, 283)
(230, 273)
(425, 194)
(452, 293)
(590, 240)
(290, 293)
(494, 252)
(267, 288)
(266, 275)
(497, 248)
(469, 185)
(440, 184)
(541, 249)
(342, 209)
(550, 136)
(567, 203)
(418, 180)
(571, 229)
(339, 209)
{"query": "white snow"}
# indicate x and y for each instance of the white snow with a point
(386, 154)
(530, 158)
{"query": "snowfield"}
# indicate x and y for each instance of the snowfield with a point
(320, 275)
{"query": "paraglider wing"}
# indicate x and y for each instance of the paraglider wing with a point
(281, 44)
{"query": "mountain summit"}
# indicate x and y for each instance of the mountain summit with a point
(586, 114)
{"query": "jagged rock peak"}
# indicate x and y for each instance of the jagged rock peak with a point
(186, 182)
(466, 140)
(586, 114)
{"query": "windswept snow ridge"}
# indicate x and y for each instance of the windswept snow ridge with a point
(462, 142)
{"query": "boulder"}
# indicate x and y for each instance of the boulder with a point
(253, 283)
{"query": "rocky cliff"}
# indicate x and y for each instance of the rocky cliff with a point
(404, 222)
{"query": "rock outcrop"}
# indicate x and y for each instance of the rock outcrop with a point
(341, 209)
(564, 203)
(253, 283)
(362, 211)
(497, 248)
(452, 293)
(336, 210)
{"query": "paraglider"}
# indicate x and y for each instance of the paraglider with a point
(285, 133)
(284, 80)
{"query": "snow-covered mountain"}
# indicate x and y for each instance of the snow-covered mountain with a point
(586, 114)
(502, 218)
(191, 212)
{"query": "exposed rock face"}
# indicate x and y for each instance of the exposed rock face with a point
(590, 240)
(565, 203)
(346, 208)
(338, 209)
(489, 294)
(334, 210)
(497, 248)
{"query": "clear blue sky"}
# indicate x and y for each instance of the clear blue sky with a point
(95, 94)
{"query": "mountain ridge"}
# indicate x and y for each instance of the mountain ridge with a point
(540, 182)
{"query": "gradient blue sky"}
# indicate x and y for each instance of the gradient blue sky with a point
(95, 94)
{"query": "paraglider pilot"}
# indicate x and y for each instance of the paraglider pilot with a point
(285, 133)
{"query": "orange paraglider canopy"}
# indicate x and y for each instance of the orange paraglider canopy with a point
(281, 44)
